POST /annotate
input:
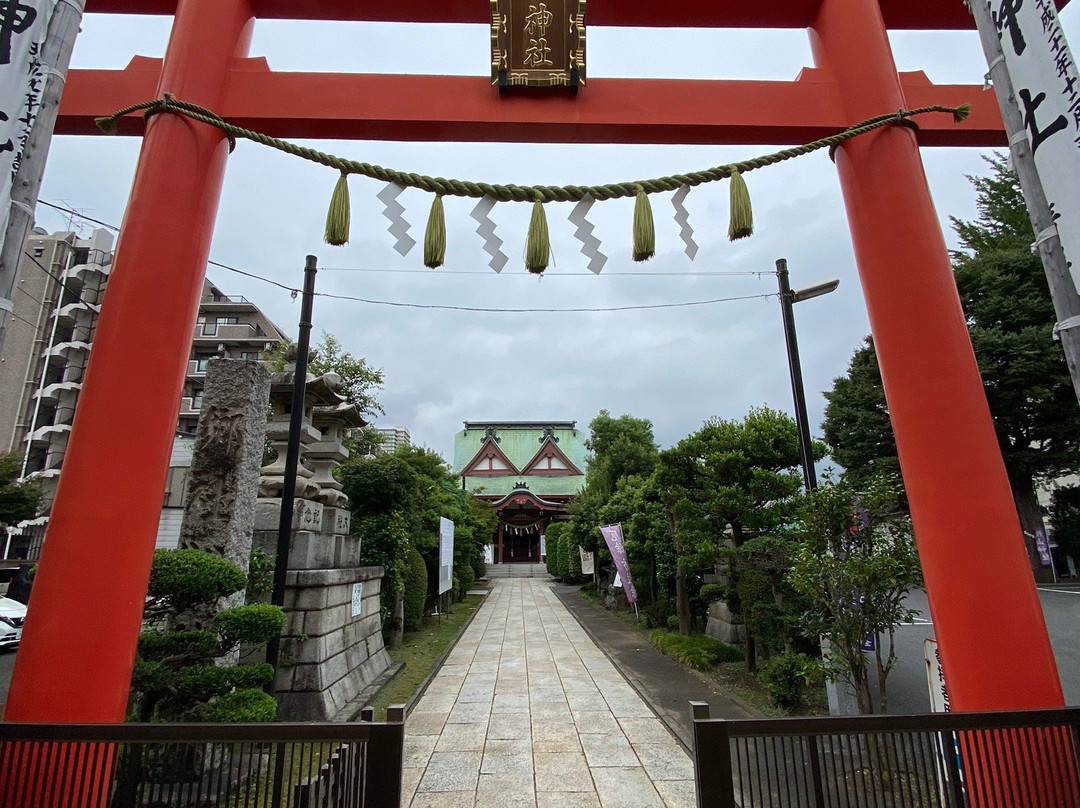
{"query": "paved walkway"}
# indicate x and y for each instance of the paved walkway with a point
(527, 711)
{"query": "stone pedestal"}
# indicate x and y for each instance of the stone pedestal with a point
(331, 646)
(723, 625)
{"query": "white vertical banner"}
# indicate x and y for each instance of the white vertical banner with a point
(23, 25)
(446, 554)
(1046, 87)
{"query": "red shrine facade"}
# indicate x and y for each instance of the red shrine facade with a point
(529, 471)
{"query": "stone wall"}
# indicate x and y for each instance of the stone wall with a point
(331, 646)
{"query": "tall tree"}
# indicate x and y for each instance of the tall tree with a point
(857, 426)
(619, 448)
(1010, 317)
(728, 482)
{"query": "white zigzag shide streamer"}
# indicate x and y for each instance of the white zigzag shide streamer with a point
(393, 210)
(590, 244)
(486, 231)
(686, 232)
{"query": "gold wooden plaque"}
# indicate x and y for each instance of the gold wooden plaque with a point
(538, 43)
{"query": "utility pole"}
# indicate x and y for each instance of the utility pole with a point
(55, 56)
(292, 455)
(1047, 243)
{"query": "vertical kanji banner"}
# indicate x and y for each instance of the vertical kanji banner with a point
(613, 537)
(22, 79)
(1047, 93)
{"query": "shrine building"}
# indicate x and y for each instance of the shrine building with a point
(529, 471)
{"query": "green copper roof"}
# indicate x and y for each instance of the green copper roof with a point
(520, 441)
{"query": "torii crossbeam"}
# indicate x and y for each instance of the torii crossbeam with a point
(959, 494)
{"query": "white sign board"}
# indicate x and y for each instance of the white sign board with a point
(1046, 88)
(587, 562)
(543, 544)
(23, 26)
(489, 553)
(446, 554)
(357, 605)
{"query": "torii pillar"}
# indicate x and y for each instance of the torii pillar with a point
(966, 525)
(109, 498)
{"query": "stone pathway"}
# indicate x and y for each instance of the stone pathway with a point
(527, 712)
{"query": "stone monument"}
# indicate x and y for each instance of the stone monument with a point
(332, 645)
(219, 508)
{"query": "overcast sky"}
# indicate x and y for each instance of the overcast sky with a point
(676, 367)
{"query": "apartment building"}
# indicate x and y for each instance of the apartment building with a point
(58, 292)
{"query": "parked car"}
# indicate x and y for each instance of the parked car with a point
(12, 616)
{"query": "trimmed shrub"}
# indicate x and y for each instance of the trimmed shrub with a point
(712, 592)
(183, 578)
(252, 623)
(242, 706)
(785, 678)
(569, 557)
(696, 651)
(416, 588)
(479, 568)
(553, 565)
(465, 580)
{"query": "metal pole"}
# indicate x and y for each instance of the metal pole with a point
(1047, 243)
(292, 455)
(806, 448)
(56, 56)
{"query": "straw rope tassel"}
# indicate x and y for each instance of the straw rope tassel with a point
(435, 235)
(337, 217)
(742, 214)
(644, 230)
(538, 245)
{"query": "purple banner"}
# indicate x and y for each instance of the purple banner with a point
(614, 538)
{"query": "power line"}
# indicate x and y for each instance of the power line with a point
(545, 311)
(56, 278)
(435, 306)
(488, 273)
(15, 316)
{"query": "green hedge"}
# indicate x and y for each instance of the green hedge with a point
(416, 588)
(696, 650)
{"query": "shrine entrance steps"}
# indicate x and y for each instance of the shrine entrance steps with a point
(512, 570)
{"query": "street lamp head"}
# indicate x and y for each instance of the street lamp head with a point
(818, 289)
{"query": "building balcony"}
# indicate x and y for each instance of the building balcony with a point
(67, 350)
(53, 392)
(46, 434)
(78, 311)
(237, 302)
(215, 333)
(190, 405)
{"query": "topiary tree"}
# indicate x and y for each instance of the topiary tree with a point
(178, 675)
(554, 560)
(569, 557)
(416, 588)
(465, 577)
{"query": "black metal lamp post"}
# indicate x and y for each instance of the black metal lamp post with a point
(788, 297)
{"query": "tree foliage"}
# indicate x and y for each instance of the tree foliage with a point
(856, 562)
(179, 675)
(18, 500)
(360, 382)
(1010, 317)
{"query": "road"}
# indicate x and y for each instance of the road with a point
(908, 692)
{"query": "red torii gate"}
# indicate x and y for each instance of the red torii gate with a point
(977, 573)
